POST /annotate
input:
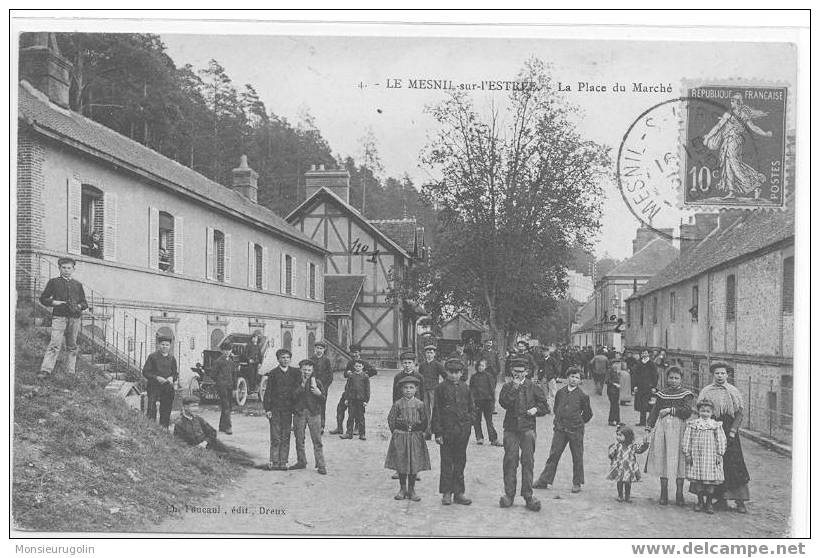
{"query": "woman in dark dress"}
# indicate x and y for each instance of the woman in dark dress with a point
(728, 406)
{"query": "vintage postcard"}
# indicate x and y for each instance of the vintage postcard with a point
(367, 280)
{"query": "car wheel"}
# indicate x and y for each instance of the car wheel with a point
(241, 391)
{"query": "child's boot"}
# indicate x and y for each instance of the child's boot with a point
(402, 493)
(411, 489)
(620, 491)
(664, 499)
(679, 500)
(707, 505)
(699, 505)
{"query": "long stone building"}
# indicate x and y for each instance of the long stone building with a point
(729, 297)
(162, 249)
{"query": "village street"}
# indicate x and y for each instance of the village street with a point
(356, 497)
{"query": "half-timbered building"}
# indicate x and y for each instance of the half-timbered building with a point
(364, 257)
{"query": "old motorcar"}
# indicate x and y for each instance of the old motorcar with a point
(247, 378)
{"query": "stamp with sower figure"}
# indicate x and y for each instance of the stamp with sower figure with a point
(734, 147)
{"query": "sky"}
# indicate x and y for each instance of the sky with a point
(342, 82)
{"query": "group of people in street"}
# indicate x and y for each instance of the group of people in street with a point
(687, 437)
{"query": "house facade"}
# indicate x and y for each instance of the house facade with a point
(729, 298)
(377, 251)
(163, 250)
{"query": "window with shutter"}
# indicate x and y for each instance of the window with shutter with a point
(74, 228)
(288, 274)
(178, 237)
(91, 223)
(165, 242)
(788, 285)
(265, 268)
(226, 260)
(153, 238)
(312, 281)
(251, 262)
(210, 253)
(693, 310)
(110, 217)
(218, 251)
(259, 262)
(731, 300)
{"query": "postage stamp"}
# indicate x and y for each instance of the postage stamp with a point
(734, 146)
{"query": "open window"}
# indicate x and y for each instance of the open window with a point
(92, 221)
(166, 242)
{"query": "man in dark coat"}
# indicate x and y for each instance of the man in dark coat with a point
(67, 299)
(644, 385)
(278, 405)
(431, 372)
(453, 415)
(572, 411)
(341, 407)
(523, 400)
(160, 369)
(223, 370)
(323, 370)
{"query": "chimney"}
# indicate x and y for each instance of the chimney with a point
(44, 67)
(244, 179)
(336, 181)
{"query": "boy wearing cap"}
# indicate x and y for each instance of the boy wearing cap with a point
(431, 371)
(482, 388)
(278, 406)
(357, 395)
(341, 408)
(323, 370)
(572, 412)
(308, 401)
(459, 354)
(453, 414)
(160, 369)
(191, 428)
(223, 370)
(67, 299)
(523, 400)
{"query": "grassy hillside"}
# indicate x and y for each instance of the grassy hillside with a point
(84, 461)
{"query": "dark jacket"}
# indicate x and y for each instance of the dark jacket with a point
(304, 398)
(431, 372)
(157, 365)
(70, 291)
(552, 367)
(572, 409)
(516, 400)
(193, 431)
(222, 371)
(357, 388)
(482, 386)
(323, 371)
(397, 389)
(280, 388)
(453, 411)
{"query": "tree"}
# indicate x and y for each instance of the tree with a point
(518, 189)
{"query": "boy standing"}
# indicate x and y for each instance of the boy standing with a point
(308, 402)
(67, 298)
(357, 395)
(160, 369)
(431, 371)
(453, 414)
(408, 368)
(223, 371)
(572, 412)
(482, 388)
(341, 408)
(278, 405)
(323, 370)
(523, 400)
